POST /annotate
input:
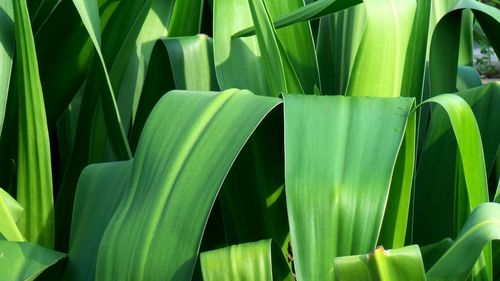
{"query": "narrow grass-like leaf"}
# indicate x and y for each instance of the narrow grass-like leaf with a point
(339, 37)
(331, 202)
(64, 52)
(239, 61)
(388, 265)
(388, 29)
(10, 210)
(24, 261)
(482, 226)
(186, 18)
(311, 11)
(260, 260)
(34, 176)
(7, 40)
(275, 62)
(395, 224)
(89, 13)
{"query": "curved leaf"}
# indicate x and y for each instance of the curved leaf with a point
(168, 179)
(482, 226)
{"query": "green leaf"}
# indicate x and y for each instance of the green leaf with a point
(7, 40)
(260, 260)
(433, 252)
(87, 228)
(89, 13)
(23, 261)
(34, 176)
(397, 264)
(191, 58)
(395, 224)
(186, 18)
(468, 190)
(130, 26)
(436, 180)
(468, 77)
(330, 200)
(412, 84)
(10, 210)
(277, 68)
(386, 36)
(482, 226)
(443, 59)
(167, 181)
(240, 62)
(311, 11)
(339, 37)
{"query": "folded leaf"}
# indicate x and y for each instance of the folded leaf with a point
(23, 261)
(260, 260)
(397, 264)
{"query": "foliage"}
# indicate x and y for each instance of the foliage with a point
(325, 140)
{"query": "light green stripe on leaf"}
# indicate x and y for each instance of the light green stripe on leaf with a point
(34, 176)
(379, 65)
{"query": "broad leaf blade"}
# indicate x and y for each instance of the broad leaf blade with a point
(167, 182)
(330, 200)
(34, 176)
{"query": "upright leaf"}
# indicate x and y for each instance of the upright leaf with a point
(387, 33)
(334, 208)
(7, 40)
(34, 176)
(339, 37)
(10, 210)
